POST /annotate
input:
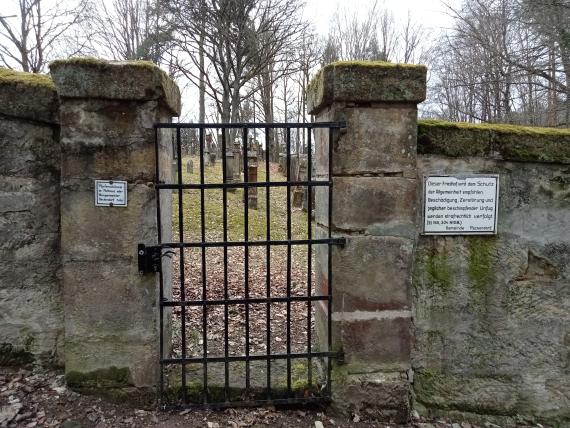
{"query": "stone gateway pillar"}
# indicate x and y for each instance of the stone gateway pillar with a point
(374, 207)
(107, 114)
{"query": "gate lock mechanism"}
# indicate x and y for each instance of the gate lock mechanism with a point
(149, 259)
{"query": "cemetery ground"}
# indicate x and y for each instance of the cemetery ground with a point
(298, 312)
(32, 397)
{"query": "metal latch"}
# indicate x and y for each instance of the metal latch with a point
(149, 259)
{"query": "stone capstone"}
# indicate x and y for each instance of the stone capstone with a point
(115, 80)
(362, 82)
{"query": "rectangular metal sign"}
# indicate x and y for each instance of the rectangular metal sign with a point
(110, 193)
(461, 205)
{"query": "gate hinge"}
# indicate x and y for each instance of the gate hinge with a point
(149, 259)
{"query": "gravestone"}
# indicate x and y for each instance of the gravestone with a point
(190, 166)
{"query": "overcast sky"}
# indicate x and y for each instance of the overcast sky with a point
(431, 13)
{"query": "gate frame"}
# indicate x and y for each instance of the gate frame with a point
(150, 260)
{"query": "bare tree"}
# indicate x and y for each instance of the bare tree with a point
(37, 34)
(411, 39)
(497, 65)
(241, 39)
(370, 38)
(508, 59)
(130, 29)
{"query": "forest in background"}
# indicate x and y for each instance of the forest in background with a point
(504, 61)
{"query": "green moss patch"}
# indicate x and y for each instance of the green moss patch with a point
(19, 78)
(481, 258)
(101, 63)
(111, 377)
(508, 142)
(439, 270)
(373, 64)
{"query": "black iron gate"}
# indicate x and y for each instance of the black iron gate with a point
(181, 383)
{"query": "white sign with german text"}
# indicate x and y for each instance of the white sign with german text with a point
(110, 193)
(461, 205)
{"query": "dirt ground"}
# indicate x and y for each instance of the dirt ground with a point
(41, 399)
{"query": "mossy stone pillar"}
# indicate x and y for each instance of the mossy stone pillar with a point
(107, 114)
(374, 206)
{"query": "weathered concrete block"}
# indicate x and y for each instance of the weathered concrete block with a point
(377, 205)
(115, 80)
(31, 313)
(112, 232)
(381, 340)
(370, 273)
(363, 82)
(380, 396)
(28, 96)
(379, 140)
(100, 306)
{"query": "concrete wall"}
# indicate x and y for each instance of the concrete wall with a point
(70, 290)
(492, 313)
(31, 307)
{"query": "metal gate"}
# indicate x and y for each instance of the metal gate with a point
(187, 379)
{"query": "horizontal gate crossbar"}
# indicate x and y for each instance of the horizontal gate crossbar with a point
(258, 357)
(243, 185)
(251, 300)
(276, 125)
(333, 241)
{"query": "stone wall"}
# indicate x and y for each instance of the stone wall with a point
(374, 209)
(492, 313)
(70, 290)
(31, 307)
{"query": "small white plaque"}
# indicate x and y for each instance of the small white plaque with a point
(461, 205)
(110, 193)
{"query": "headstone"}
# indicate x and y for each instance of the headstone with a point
(190, 166)
(230, 170)
(252, 178)
(298, 194)
(237, 159)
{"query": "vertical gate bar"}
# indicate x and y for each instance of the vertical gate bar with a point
(309, 258)
(226, 297)
(329, 263)
(268, 262)
(204, 296)
(288, 187)
(160, 278)
(182, 278)
(246, 259)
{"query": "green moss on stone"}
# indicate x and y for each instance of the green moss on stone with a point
(373, 64)
(439, 271)
(480, 268)
(19, 78)
(112, 377)
(101, 63)
(509, 142)
(12, 356)
(496, 127)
